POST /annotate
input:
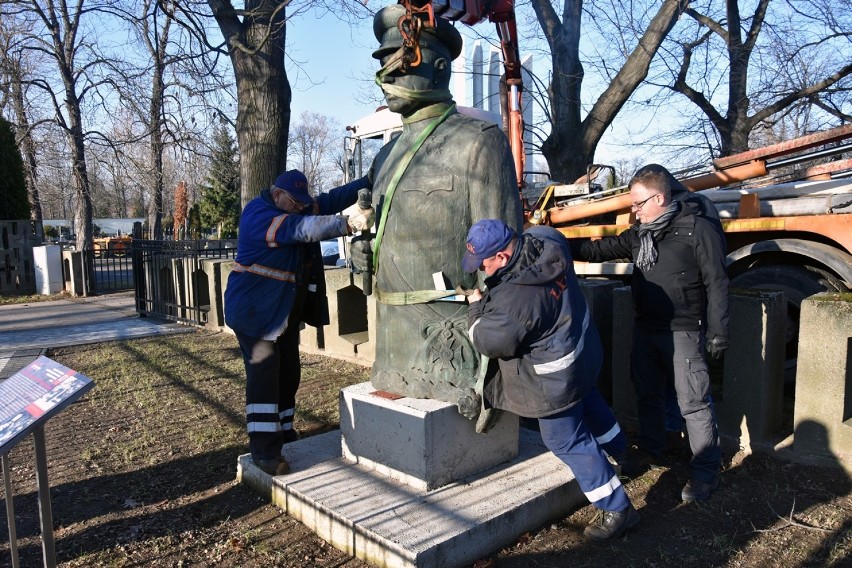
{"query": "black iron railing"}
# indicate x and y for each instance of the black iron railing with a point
(107, 271)
(169, 280)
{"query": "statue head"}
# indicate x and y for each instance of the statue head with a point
(408, 87)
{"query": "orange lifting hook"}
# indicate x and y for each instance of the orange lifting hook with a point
(409, 27)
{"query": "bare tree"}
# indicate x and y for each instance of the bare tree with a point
(572, 140)
(12, 72)
(784, 61)
(313, 142)
(58, 33)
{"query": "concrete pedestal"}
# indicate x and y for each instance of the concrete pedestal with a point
(423, 443)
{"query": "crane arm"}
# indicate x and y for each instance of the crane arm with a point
(502, 14)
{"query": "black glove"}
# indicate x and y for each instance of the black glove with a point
(716, 346)
(361, 254)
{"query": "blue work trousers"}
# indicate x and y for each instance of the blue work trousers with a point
(273, 374)
(579, 436)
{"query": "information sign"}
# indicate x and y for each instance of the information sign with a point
(34, 394)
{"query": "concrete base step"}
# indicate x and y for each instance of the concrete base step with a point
(387, 523)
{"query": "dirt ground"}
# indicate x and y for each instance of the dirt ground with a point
(142, 473)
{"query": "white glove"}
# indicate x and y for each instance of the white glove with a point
(362, 220)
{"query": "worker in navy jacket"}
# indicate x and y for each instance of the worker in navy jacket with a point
(276, 284)
(533, 324)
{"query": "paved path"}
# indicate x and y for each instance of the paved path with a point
(27, 330)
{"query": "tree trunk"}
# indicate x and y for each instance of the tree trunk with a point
(82, 191)
(263, 113)
(155, 207)
(263, 92)
(29, 149)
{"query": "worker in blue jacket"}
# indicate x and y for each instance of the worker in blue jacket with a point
(533, 323)
(276, 284)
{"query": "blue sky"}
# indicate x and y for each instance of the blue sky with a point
(330, 67)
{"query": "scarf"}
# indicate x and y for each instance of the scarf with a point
(649, 231)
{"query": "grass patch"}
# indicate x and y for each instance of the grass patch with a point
(8, 299)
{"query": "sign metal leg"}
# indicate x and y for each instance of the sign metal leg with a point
(48, 547)
(10, 512)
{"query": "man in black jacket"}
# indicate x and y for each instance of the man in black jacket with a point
(680, 292)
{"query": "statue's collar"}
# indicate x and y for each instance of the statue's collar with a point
(428, 112)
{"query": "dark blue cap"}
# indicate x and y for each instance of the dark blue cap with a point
(294, 182)
(485, 239)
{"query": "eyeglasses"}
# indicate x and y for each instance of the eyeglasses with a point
(297, 204)
(637, 205)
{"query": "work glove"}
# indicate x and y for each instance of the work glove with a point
(361, 221)
(716, 346)
(361, 254)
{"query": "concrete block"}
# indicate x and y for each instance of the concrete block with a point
(72, 272)
(213, 279)
(823, 412)
(598, 294)
(346, 303)
(423, 443)
(17, 269)
(225, 267)
(750, 409)
(178, 285)
(623, 394)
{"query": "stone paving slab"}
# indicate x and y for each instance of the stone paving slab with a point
(27, 330)
(389, 524)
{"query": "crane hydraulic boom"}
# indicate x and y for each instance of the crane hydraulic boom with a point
(472, 12)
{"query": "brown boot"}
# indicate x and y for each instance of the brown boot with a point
(274, 466)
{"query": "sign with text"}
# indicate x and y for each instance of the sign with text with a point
(33, 395)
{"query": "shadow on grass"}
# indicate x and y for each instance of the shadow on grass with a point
(161, 500)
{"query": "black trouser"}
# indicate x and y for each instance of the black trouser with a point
(663, 358)
(273, 373)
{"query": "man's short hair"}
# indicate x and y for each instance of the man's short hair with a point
(657, 178)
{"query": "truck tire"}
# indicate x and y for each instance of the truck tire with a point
(797, 282)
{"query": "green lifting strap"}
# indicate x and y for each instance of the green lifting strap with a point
(412, 297)
(400, 170)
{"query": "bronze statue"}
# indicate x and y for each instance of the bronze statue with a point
(442, 174)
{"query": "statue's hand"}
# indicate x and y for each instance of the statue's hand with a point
(361, 253)
(469, 404)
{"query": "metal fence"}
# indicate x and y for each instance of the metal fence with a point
(169, 280)
(107, 271)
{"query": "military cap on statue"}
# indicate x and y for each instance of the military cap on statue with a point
(443, 37)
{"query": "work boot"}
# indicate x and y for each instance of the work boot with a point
(273, 466)
(697, 490)
(612, 524)
(633, 463)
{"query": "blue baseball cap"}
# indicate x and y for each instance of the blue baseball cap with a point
(294, 182)
(485, 239)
